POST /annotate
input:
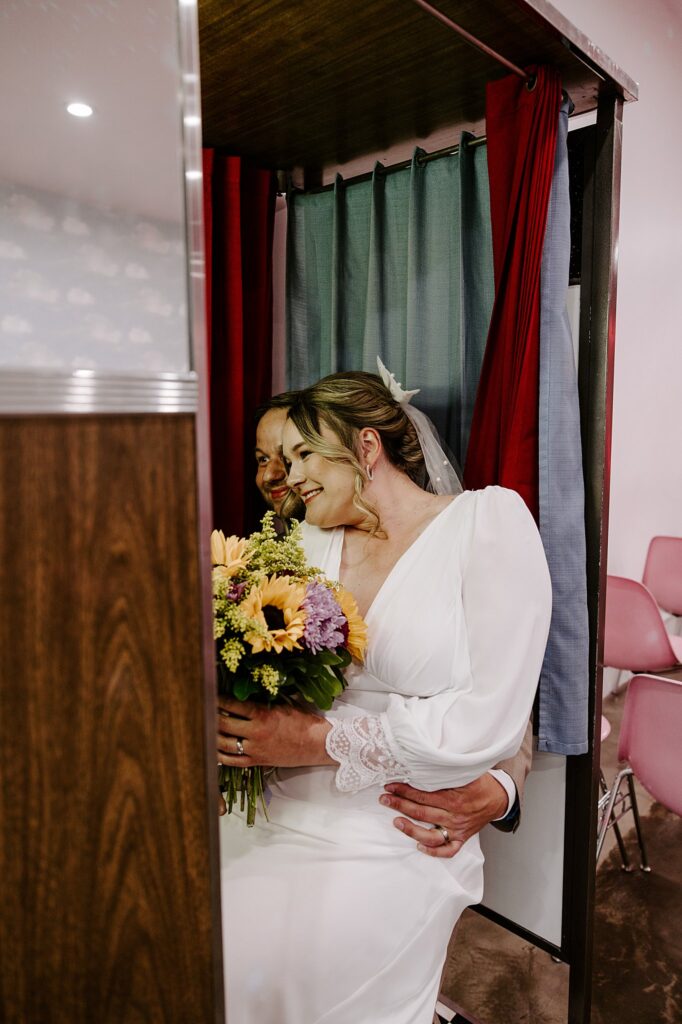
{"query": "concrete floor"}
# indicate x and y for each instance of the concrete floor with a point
(496, 976)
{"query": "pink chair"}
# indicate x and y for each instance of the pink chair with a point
(651, 742)
(663, 572)
(635, 637)
(651, 737)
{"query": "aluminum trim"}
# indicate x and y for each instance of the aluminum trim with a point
(188, 24)
(50, 392)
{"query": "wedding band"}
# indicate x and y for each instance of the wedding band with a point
(240, 748)
(444, 832)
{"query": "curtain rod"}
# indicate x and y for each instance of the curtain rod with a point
(368, 175)
(434, 12)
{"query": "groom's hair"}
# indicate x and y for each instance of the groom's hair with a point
(281, 401)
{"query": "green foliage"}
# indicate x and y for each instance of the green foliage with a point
(271, 555)
(267, 677)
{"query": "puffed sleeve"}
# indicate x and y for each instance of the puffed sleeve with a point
(452, 737)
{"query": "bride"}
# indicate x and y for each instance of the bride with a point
(331, 914)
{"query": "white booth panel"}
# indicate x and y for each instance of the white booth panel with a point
(524, 871)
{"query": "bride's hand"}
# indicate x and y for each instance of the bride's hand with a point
(283, 736)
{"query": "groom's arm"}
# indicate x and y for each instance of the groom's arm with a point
(517, 768)
(465, 810)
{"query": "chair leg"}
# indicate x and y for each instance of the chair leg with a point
(644, 865)
(624, 859)
(604, 823)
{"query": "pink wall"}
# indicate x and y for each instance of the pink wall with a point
(646, 470)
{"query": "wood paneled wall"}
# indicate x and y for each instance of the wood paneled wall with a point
(108, 857)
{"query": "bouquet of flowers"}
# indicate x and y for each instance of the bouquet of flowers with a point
(283, 631)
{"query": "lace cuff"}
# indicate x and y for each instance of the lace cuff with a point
(360, 746)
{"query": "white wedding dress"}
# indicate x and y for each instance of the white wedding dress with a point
(330, 914)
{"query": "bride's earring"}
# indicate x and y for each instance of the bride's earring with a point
(370, 472)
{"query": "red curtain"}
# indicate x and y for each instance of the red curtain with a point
(208, 155)
(239, 209)
(521, 126)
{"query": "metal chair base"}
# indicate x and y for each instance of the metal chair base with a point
(613, 804)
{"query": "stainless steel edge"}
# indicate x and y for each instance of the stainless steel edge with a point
(31, 392)
(188, 25)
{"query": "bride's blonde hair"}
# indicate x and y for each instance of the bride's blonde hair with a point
(347, 403)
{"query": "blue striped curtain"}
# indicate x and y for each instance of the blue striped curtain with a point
(563, 694)
(398, 266)
(401, 266)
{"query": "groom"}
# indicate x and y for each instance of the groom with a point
(494, 797)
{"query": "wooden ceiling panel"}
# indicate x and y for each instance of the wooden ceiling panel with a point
(317, 82)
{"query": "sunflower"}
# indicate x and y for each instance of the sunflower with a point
(276, 606)
(357, 627)
(227, 555)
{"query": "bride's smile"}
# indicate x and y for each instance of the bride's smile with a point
(325, 487)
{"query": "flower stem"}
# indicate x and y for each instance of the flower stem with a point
(249, 784)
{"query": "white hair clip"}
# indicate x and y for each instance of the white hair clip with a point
(442, 471)
(401, 396)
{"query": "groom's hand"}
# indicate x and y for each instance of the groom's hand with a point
(462, 812)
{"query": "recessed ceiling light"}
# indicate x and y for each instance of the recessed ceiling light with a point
(79, 109)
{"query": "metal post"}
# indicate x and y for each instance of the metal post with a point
(597, 344)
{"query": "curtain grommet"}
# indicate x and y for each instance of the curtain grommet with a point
(531, 82)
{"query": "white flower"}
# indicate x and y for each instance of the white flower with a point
(396, 389)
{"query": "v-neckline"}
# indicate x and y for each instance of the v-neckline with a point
(398, 561)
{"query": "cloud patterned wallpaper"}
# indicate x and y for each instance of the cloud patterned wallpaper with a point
(87, 288)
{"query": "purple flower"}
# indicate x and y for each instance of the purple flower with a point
(236, 592)
(324, 621)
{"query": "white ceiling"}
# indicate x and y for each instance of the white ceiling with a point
(121, 57)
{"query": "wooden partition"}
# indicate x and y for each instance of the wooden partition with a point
(106, 858)
(109, 903)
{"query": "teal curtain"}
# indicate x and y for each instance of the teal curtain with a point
(399, 266)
